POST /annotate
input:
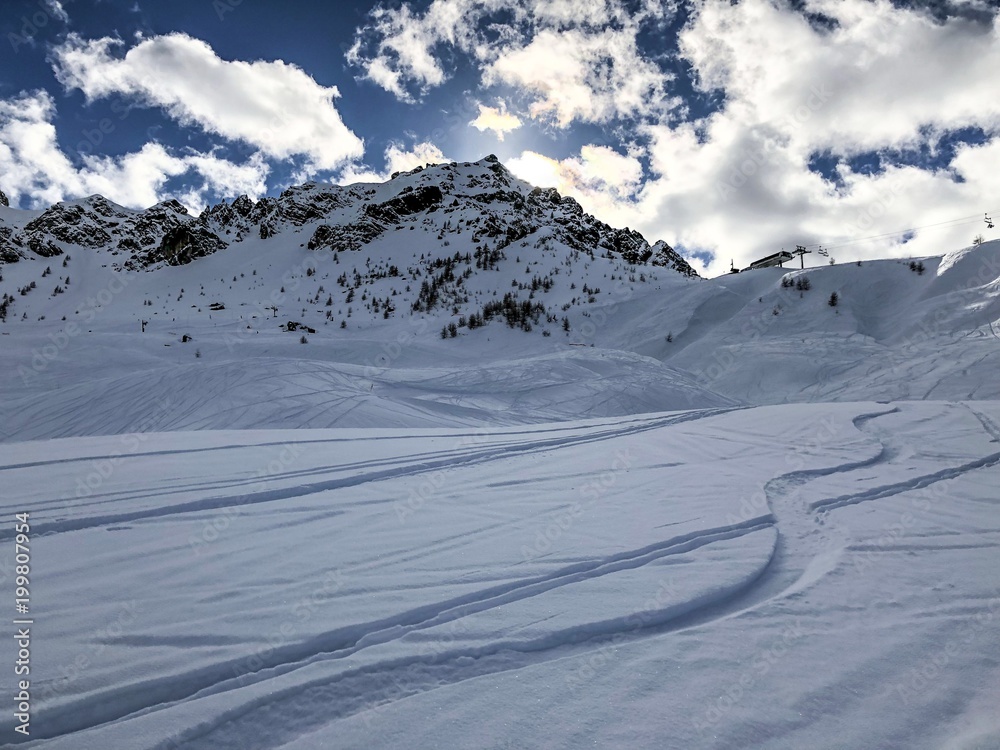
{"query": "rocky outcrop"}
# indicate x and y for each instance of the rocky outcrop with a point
(184, 243)
(69, 223)
(410, 201)
(661, 254)
(3, 199)
(348, 237)
(304, 203)
(41, 245)
(10, 246)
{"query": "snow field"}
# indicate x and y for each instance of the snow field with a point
(698, 578)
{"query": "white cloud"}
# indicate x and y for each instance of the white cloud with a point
(56, 10)
(738, 182)
(885, 73)
(576, 60)
(581, 76)
(404, 43)
(598, 171)
(496, 119)
(33, 166)
(272, 106)
(397, 159)
(604, 181)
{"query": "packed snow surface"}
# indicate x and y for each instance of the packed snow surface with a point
(820, 575)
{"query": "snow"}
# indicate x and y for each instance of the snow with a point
(773, 530)
(772, 576)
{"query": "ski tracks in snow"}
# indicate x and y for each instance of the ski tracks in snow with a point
(353, 475)
(314, 680)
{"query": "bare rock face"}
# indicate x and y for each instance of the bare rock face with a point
(40, 245)
(3, 199)
(70, 223)
(10, 246)
(185, 243)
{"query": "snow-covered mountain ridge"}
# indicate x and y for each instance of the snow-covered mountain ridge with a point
(494, 205)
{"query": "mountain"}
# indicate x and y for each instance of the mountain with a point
(455, 250)
(463, 221)
(481, 199)
(449, 295)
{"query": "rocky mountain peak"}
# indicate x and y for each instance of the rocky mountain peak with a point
(444, 198)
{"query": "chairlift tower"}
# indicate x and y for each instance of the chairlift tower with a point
(801, 251)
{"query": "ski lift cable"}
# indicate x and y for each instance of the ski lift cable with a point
(953, 222)
(910, 230)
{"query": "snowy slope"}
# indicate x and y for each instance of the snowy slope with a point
(431, 249)
(294, 393)
(371, 273)
(894, 333)
(789, 576)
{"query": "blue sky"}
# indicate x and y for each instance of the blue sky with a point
(728, 129)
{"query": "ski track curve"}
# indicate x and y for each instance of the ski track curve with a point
(769, 582)
(803, 537)
(122, 703)
(793, 553)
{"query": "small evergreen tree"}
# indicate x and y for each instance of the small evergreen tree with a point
(834, 299)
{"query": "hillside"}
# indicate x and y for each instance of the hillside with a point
(460, 221)
(450, 295)
(427, 272)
